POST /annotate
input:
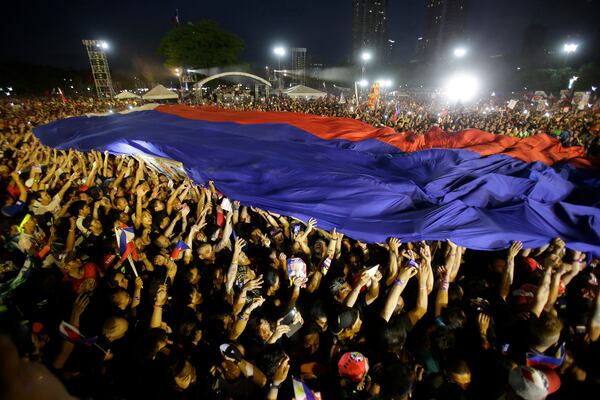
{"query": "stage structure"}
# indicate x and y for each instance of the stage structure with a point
(96, 50)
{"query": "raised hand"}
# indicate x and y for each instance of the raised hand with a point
(407, 272)
(425, 251)
(237, 249)
(483, 321)
(81, 302)
(514, 249)
(254, 284)
(161, 295)
(141, 190)
(282, 371)
(139, 283)
(255, 303)
(394, 244)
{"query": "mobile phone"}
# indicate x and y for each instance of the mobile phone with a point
(296, 228)
(226, 205)
(289, 319)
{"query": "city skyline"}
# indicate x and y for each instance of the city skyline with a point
(53, 35)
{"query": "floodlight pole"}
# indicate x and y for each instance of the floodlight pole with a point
(100, 70)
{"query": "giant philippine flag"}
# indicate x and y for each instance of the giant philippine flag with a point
(477, 189)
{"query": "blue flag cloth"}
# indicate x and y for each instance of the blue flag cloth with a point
(479, 190)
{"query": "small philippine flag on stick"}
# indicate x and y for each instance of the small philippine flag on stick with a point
(181, 246)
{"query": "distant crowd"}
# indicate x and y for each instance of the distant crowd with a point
(571, 126)
(120, 282)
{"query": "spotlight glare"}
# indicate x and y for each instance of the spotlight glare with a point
(460, 52)
(462, 88)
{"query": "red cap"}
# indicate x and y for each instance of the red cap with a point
(531, 264)
(353, 366)
(524, 295)
(533, 383)
(37, 327)
(83, 188)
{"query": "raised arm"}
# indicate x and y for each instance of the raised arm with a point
(353, 295)
(20, 185)
(140, 192)
(509, 271)
(399, 282)
(393, 246)
(242, 320)
(226, 232)
(421, 307)
(233, 267)
(161, 299)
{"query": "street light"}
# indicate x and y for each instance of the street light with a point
(570, 47)
(460, 52)
(279, 52)
(365, 57)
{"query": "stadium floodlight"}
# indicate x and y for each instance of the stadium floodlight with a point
(363, 82)
(462, 87)
(385, 82)
(279, 51)
(103, 45)
(570, 47)
(366, 56)
(460, 52)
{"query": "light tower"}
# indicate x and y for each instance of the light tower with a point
(96, 50)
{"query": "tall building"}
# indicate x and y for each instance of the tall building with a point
(445, 22)
(299, 64)
(533, 45)
(369, 27)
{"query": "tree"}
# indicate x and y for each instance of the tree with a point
(200, 45)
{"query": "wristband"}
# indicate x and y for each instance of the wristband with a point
(445, 284)
(243, 318)
(158, 306)
(136, 297)
(275, 386)
(399, 282)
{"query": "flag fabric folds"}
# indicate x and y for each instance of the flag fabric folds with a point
(475, 188)
(301, 390)
(179, 248)
(71, 334)
(125, 236)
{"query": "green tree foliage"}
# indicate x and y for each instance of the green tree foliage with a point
(200, 45)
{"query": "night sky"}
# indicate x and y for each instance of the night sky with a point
(50, 32)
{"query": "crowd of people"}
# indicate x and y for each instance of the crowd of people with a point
(213, 299)
(573, 127)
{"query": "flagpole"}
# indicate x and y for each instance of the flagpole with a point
(98, 346)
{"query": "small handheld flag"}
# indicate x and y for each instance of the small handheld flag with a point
(125, 236)
(71, 334)
(179, 247)
(537, 360)
(301, 391)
